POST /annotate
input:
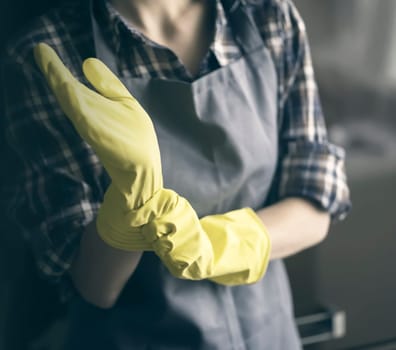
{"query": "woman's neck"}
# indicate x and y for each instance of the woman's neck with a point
(153, 15)
(184, 26)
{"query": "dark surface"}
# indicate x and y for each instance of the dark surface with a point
(15, 13)
(13, 16)
(22, 313)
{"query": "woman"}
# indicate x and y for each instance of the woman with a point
(229, 88)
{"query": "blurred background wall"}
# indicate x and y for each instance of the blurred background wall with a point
(351, 275)
(361, 32)
(354, 48)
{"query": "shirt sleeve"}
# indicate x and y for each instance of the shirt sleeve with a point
(57, 182)
(310, 166)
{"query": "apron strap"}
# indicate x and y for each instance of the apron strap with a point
(102, 48)
(245, 31)
(243, 26)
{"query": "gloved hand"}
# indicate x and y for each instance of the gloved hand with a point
(123, 137)
(137, 212)
(230, 249)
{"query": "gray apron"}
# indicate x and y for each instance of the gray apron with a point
(218, 138)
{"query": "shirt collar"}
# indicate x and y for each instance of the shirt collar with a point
(122, 35)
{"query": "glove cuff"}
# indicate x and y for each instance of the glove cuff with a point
(120, 227)
(130, 239)
(254, 244)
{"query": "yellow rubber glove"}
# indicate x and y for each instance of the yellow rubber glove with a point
(230, 249)
(137, 213)
(123, 137)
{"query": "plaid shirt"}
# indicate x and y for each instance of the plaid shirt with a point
(58, 182)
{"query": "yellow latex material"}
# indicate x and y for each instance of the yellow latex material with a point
(123, 137)
(137, 212)
(230, 249)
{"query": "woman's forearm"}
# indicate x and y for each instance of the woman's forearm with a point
(100, 272)
(294, 224)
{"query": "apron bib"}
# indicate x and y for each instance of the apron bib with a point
(218, 139)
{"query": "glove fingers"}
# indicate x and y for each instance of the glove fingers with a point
(69, 96)
(45, 58)
(104, 80)
(66, 88)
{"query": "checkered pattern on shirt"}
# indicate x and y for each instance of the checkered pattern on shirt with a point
(59, 182)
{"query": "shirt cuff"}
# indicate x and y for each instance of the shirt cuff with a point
(316, 172)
